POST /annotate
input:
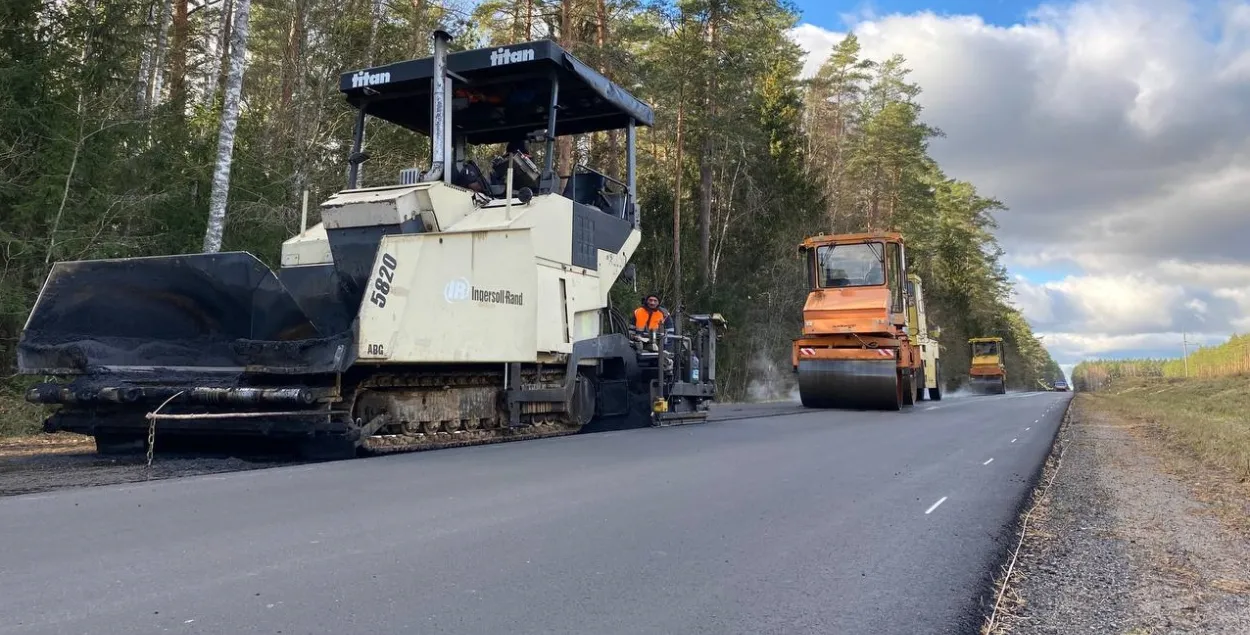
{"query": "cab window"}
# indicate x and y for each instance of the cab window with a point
(856, 265)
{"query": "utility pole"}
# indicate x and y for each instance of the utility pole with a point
(1185, 354)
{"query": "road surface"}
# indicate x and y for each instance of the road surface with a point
(795, 522)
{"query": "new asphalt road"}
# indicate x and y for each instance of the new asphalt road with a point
(770, 520)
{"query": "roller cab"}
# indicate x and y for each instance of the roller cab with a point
(860, 347)
(987, 373)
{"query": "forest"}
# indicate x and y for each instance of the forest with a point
(145, 127)
(1227, 359)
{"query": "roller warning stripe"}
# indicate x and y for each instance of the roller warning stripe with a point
(811, 353)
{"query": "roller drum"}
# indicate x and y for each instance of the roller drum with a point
(988, 385)
(849, 383)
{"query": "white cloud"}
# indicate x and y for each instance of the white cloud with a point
(1078, 346)
(1118, 134)
(1198, 307)
(1241, 297)
(1113, 305)
(1034, 301)
(818, 43)
(1210, 275)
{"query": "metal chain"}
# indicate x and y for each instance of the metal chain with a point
(152, 417)
(151, 441)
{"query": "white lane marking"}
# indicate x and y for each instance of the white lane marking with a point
(1013, 440)
(1036, 420)
(989, 461)
(935, 505)
(1027, 429)
(931, 408)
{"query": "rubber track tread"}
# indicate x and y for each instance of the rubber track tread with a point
(379, 444)
(382, 444)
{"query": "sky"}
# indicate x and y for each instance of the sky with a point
(1117, 133)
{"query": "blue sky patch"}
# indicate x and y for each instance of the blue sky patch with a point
(828, 13)
(1043, 275)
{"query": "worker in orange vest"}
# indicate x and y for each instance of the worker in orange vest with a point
(652, 317)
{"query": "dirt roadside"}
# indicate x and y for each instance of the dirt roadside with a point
(44, 462)
(1130, 534)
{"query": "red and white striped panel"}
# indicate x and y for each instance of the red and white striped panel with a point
(885, 352)
(807, 352)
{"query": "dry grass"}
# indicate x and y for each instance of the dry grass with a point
(42, 444)
(1198, 429)
(18, 417)
(1232, 585)
(1209, 419)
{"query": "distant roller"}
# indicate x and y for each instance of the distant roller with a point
(987, 374)
(865, 341)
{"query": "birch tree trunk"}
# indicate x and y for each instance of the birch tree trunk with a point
(708, 152)
(225, 139)
(219, 65)
(142, 82)
(158, 62)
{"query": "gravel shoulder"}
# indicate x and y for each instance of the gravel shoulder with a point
(1129, 534)
(45, 462)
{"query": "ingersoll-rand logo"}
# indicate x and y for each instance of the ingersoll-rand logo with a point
(497, 296)
(459, 290)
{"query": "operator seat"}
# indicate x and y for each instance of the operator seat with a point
(524, 173)
(591, 189)
(469, 176)
(584, 188)
(837, 278)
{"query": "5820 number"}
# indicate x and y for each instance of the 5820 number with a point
(382, 283)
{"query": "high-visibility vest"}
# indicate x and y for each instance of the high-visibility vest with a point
(648, 320)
